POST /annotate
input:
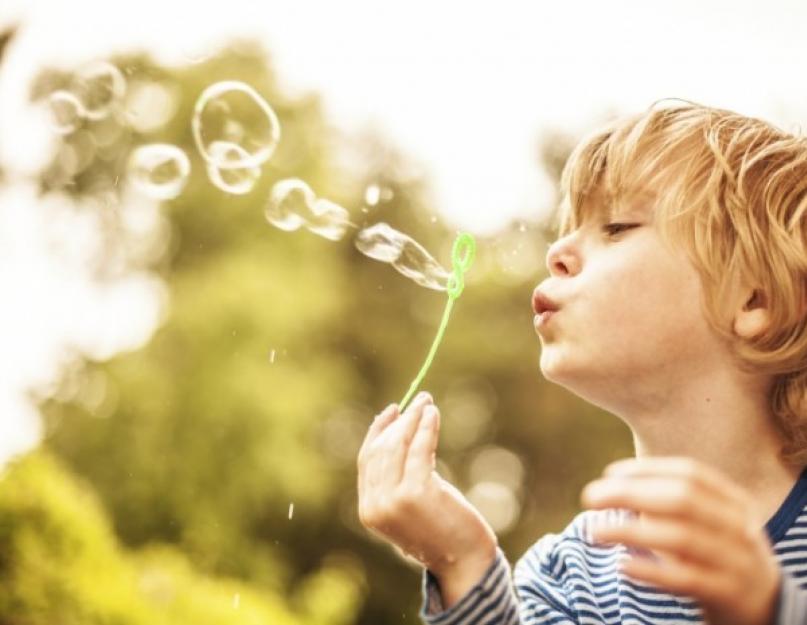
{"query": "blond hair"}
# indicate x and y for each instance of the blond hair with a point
(731, 191)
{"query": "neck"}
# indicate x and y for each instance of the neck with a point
(725, 423)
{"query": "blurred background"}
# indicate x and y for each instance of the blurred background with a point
(187, 374)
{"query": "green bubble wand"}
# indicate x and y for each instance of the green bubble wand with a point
(462, 255)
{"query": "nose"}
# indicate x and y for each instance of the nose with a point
(561, 258)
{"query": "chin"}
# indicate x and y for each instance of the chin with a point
(560, 371)
(551, 366)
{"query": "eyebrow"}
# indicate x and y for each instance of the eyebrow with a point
(638, 210)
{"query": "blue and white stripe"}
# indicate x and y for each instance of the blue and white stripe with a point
(564, 579)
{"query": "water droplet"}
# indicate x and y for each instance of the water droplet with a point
(100, 87)
(66, 111)
(160, 170)
(237, 181)
(234, 113)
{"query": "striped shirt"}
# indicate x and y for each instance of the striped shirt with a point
(564, 579)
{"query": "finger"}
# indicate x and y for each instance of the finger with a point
(667, 497)
(420, 461)
(699, 474)
(677, 577)
(381, 421)
(681, 540)
(369, 467)
(394, 442)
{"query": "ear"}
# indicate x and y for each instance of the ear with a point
(753, 317)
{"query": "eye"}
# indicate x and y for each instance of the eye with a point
(614, 229)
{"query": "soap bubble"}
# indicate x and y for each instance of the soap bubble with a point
(238, 181)
(380, 242)
(149, 105)
(384, 243)
(292, 204)
(328, 220)
(66, 111)
(289, 200)
(375, 193)
(160, 170)
(233, 112)
(416, 263)
(99, 86)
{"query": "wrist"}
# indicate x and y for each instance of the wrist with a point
(457, 578)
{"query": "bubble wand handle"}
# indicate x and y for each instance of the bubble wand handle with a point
(462, 255)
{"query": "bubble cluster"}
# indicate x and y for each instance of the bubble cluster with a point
(292, 204)
(233, 112)
(159, 170)
(235, 131)
(382, 242)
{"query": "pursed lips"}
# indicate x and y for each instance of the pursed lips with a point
(544, 308)
(541, 303)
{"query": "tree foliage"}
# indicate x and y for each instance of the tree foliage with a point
(253, 395)
(62, 563)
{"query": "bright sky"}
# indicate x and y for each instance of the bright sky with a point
(465, 90)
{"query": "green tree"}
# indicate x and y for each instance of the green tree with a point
(277, 349)
(62, 563)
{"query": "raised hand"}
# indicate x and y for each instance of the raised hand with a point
(404, 500)
(700, 525)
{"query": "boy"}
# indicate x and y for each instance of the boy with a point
(677, 300)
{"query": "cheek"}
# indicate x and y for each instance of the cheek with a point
(651, 312)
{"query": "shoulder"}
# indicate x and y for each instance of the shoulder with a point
(553, 552)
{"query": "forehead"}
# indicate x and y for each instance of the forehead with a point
(638, 205)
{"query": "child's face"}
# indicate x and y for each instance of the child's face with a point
(629, 331)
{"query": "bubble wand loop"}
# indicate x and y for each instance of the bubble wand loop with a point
(462, 255)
